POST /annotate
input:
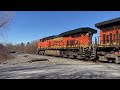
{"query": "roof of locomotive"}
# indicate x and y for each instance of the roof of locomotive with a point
(115, 20)
(49, 37)
(79, 30)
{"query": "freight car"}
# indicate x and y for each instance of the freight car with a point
(78, 43)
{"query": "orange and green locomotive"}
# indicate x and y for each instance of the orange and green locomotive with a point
(73, 43)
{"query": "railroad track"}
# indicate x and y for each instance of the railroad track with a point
(75, 59)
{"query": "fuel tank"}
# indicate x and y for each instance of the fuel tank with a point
(53, 52)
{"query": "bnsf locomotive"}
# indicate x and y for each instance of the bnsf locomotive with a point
(78, 43)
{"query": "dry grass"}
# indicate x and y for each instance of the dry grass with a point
(31, 48)
(4, 55)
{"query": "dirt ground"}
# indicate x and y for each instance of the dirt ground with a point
(28, 66)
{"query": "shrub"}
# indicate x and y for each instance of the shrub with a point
(4, 55)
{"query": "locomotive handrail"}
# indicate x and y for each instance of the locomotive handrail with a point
(107, 42)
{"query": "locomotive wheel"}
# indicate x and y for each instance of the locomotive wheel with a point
(87, 55)
(71, 56)
(42, 52)
(87, 58)
(117, 61)
(64, 54)
(79, 57)
(38, 52)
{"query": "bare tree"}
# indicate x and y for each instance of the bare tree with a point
(5, 18)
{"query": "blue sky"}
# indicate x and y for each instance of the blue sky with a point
(33, 25)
